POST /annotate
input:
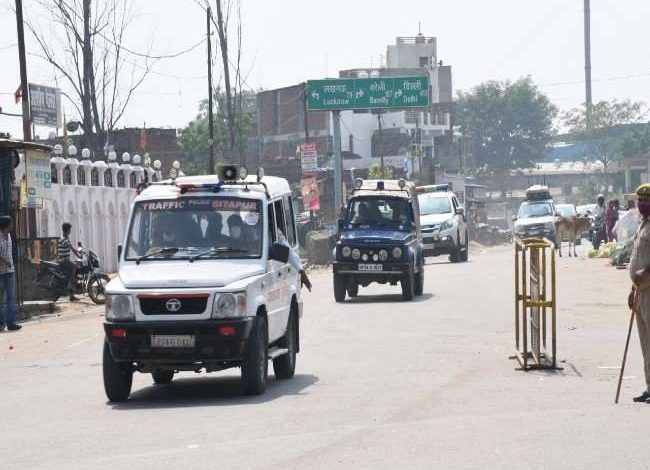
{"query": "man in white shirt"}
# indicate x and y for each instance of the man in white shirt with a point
(294, 261)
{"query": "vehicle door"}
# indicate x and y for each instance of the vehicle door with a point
(277, 305)
(293, 275)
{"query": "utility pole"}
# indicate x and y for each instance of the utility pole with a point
(588, 101)
(27, 132)
(210, 112)
(306, 114)
(338, 177)
(380, 147)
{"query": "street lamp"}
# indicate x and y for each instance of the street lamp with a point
(85, 153)
(72, 151)
(58, 150)
(137, 159)
(126, 156)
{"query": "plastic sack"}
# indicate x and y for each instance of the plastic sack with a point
(626, 226)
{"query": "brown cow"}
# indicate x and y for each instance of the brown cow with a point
(570, 228)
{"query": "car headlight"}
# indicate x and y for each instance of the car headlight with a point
(397, 252)
(229, 305)
(383, 255)
(346, 251)
(446, 225)
(119, 307)
(356, 253)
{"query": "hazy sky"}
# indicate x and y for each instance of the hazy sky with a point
(289, 41)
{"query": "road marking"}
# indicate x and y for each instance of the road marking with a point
(610, 367)
(79, 343)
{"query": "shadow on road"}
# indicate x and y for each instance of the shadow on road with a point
(212, 391)
(388, 298)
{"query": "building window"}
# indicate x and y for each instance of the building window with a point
(53, 173)
(424, 61)
(81, 176)
(67, 175)
(108, 178)
(133, 182)
(94, 177)
(120, 179)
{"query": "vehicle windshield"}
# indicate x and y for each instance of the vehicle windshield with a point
(434, 205)
(182, 228)
(586, 209)
(535, 209)
(366, 212)
(566, 210)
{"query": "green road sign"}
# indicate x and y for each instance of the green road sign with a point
(368, 93)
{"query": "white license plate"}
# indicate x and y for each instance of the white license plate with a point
(429, 246)
(172, 341)
(371, 267)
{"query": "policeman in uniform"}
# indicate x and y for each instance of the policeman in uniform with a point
(639, 298)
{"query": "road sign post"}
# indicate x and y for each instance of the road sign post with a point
(338, 181)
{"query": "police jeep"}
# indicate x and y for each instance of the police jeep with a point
(203, 284)
(380, 240)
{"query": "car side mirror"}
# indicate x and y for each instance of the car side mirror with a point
(460, 211)
(119, 251)
(279, 252)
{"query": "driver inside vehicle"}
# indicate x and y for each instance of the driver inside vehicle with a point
(239, 236)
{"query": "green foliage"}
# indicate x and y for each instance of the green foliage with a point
(636, 144)
(374, 172)
(602, 133)
(193, 138)
(510, 123)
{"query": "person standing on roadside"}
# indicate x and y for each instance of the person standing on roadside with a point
(7, 277)
(600, 233)
(639, 298)
(64, 248)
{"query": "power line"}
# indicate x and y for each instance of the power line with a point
(151, 56)
(8, 46)
(605, 79)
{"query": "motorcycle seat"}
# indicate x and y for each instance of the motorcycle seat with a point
(50, 265)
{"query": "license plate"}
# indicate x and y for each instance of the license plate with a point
(172, 341)
(371, 267)
(429, 246)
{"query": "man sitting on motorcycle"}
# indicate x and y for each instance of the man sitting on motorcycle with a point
(63, 258)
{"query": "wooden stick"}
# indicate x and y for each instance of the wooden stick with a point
(627, 343)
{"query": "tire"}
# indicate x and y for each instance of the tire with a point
(340, 288)
(408, 286)
(118, 377)
(353, 289)
(97, 289)
(162, 376)
(464, 255)
(285, 366)
(418, 288)
(454, 257)
(48, 285)
(255, 366)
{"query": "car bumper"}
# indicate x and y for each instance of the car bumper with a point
(215, 341)
(437, 244)
(550, 234)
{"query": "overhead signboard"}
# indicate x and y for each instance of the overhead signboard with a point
(309, 158)
(368, 93)
(44, 105)
(38, 175)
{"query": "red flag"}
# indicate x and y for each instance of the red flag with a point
(143, 138)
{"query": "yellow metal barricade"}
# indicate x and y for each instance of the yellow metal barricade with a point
(535, 296)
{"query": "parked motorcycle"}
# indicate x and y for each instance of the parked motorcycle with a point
(54, 279)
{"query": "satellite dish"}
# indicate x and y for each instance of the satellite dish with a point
(72, 126)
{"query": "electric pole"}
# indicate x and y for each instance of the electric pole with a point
(27, 131)
(588, 101)
(381, 145)
(210, 113)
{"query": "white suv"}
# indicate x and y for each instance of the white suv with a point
(203, 283)
(443, 222)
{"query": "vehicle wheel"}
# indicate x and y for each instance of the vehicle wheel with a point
(353, 289)
(464, 255)
(162, 376)
(285, 366)
(97, 289)
(340, 287)
(419, 281)
(118, 377)
(408, 286)
(255, 365)
(454, 257)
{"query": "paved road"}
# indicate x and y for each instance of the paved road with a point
(380, 384)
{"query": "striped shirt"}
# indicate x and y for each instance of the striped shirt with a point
(63, 249)
(6, 256)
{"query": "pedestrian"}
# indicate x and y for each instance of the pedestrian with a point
(600, 233)
(611, 217)
(7, 277)
(639, 298)
(63, 258)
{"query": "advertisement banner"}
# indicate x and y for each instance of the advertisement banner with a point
(309, 158)
(310, 194)
(38, 174)
(44, 105)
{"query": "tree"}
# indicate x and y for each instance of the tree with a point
(193, 138)
(636, 143)
(607, 118)
(85, 45)
(510, 123)
(374, 172)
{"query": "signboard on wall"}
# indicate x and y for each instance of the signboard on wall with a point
(309, 158)
(310, 193)
(38, 174)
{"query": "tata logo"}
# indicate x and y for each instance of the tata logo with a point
(173, 305)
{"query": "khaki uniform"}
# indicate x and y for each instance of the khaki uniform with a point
(640, 260)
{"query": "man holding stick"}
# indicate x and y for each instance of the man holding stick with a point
(639, 298)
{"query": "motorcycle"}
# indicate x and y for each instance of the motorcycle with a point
(53, 278)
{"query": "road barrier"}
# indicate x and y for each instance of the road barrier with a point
(532, 303)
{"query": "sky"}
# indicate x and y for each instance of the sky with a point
(289, 41)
